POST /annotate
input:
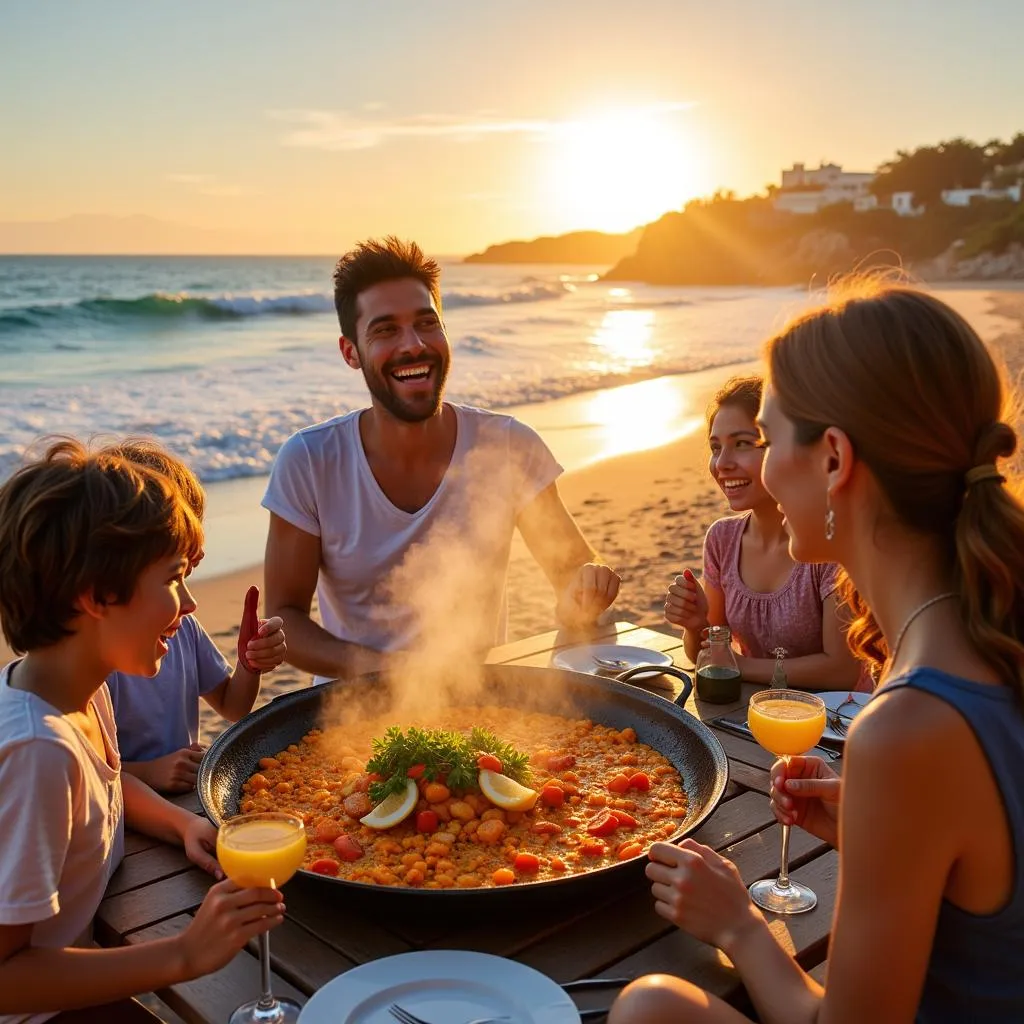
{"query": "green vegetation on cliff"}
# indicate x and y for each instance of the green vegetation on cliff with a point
(745, 241)
(724, 240)
(594, 247)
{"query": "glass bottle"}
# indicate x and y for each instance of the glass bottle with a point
(718, 674)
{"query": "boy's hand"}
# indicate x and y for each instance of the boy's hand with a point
(228, 918)
(200, 842)
(173, 773)
(267, 649)
(686, 604)
(261, 643)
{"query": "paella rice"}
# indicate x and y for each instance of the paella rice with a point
(603, 797)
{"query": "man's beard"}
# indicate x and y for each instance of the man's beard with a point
(415, 411)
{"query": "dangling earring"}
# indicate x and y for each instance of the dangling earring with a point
(830, 519)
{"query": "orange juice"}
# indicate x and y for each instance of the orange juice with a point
(261, 853)
(785, 727)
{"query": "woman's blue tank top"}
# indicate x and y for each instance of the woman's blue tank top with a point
(976, 970)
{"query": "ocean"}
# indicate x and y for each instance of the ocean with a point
(221, 358)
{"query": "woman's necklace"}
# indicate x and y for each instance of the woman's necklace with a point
(910, 618)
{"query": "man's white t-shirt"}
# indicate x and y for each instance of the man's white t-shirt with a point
(395, 580)
(61, 819)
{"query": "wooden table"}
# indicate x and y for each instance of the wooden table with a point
(155, 891)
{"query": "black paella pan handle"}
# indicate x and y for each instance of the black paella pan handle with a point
(667, 670)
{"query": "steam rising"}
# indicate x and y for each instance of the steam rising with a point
(453, 586)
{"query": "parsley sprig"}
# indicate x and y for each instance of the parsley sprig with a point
(442, 752)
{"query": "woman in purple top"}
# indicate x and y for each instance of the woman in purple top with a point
(750, 582)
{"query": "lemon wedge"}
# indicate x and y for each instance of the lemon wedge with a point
(506, 793)
(393, 809)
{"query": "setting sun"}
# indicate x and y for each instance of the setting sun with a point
(622, 168)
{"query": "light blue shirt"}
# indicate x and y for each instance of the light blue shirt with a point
(158, 715)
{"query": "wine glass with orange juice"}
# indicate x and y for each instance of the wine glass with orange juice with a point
(785, 723)
(262, 851)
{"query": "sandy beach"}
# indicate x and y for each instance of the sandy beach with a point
(643, 504)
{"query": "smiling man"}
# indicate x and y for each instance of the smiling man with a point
(400, 517)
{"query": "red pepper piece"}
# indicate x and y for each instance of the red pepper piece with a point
(250, 625)
(603, 824)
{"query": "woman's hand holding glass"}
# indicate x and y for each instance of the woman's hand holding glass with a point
(805, 792)
(701, 892)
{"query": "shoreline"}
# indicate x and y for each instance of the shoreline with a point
(635, 479)
(593, 426)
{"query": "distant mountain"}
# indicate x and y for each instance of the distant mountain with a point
(101, 234)
(594, 247)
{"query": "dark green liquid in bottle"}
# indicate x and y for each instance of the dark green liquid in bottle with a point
(718, 685)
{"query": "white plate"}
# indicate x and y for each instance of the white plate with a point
(833, 698)
(443, 986)
(581, 659)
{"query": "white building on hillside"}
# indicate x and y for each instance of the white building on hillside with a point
(966, 196)
(808, 190)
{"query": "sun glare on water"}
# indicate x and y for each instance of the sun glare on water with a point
(621, 169)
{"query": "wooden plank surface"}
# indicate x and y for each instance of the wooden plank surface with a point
(613, 632)
(213, 997)
(151, 865)
(326, 932)
(166, 898)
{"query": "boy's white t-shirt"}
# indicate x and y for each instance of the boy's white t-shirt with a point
(432, 579)
(61, 821)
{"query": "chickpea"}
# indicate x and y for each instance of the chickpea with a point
(494, 814)
(491, 831)
(435, 793)
(258, 782)
(462, 810)
(357, 805)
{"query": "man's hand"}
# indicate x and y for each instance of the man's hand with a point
(173, 773)
(589, 593)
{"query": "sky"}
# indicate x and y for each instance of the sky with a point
(303, 125)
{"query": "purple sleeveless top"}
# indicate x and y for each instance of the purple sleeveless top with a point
(789, 617)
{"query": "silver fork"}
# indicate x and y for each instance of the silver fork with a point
(403, 1015)
(838, 724)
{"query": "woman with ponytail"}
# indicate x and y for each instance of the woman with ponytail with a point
(885, 418)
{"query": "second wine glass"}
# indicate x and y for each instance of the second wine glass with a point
(785, 723)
